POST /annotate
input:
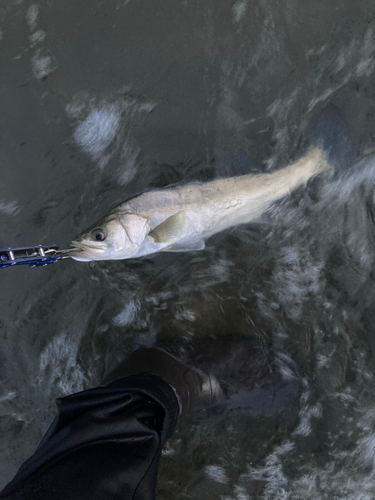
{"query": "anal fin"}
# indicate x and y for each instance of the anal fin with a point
(186, 247)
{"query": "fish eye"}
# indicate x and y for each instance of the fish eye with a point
(98, 234)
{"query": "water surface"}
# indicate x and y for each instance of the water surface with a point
(103, 100)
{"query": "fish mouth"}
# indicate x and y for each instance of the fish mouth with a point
(82, 251)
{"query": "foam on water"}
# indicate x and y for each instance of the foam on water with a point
(32, 15)
(239, 9)
(58, 362)
(276, 483)
(97, 132)
(349, 474)
(37, 37)
(105, 132)
(9, 208)
(308, 413)
(43, 64)
(126, 316)
(216, 473)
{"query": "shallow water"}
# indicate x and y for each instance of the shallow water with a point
(103, 100)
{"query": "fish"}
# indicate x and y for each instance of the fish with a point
(181, 218)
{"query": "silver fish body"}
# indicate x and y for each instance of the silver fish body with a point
(181, 218)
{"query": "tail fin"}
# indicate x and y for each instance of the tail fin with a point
(331, 134)
(312, 163)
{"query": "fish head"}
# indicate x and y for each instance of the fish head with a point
(113, 237)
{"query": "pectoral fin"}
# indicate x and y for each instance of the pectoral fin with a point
(170, 230)
(186, 247)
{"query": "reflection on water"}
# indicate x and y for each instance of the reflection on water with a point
(101, 101)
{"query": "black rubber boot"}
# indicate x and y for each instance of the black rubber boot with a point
(194, 388)
(231, 372)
